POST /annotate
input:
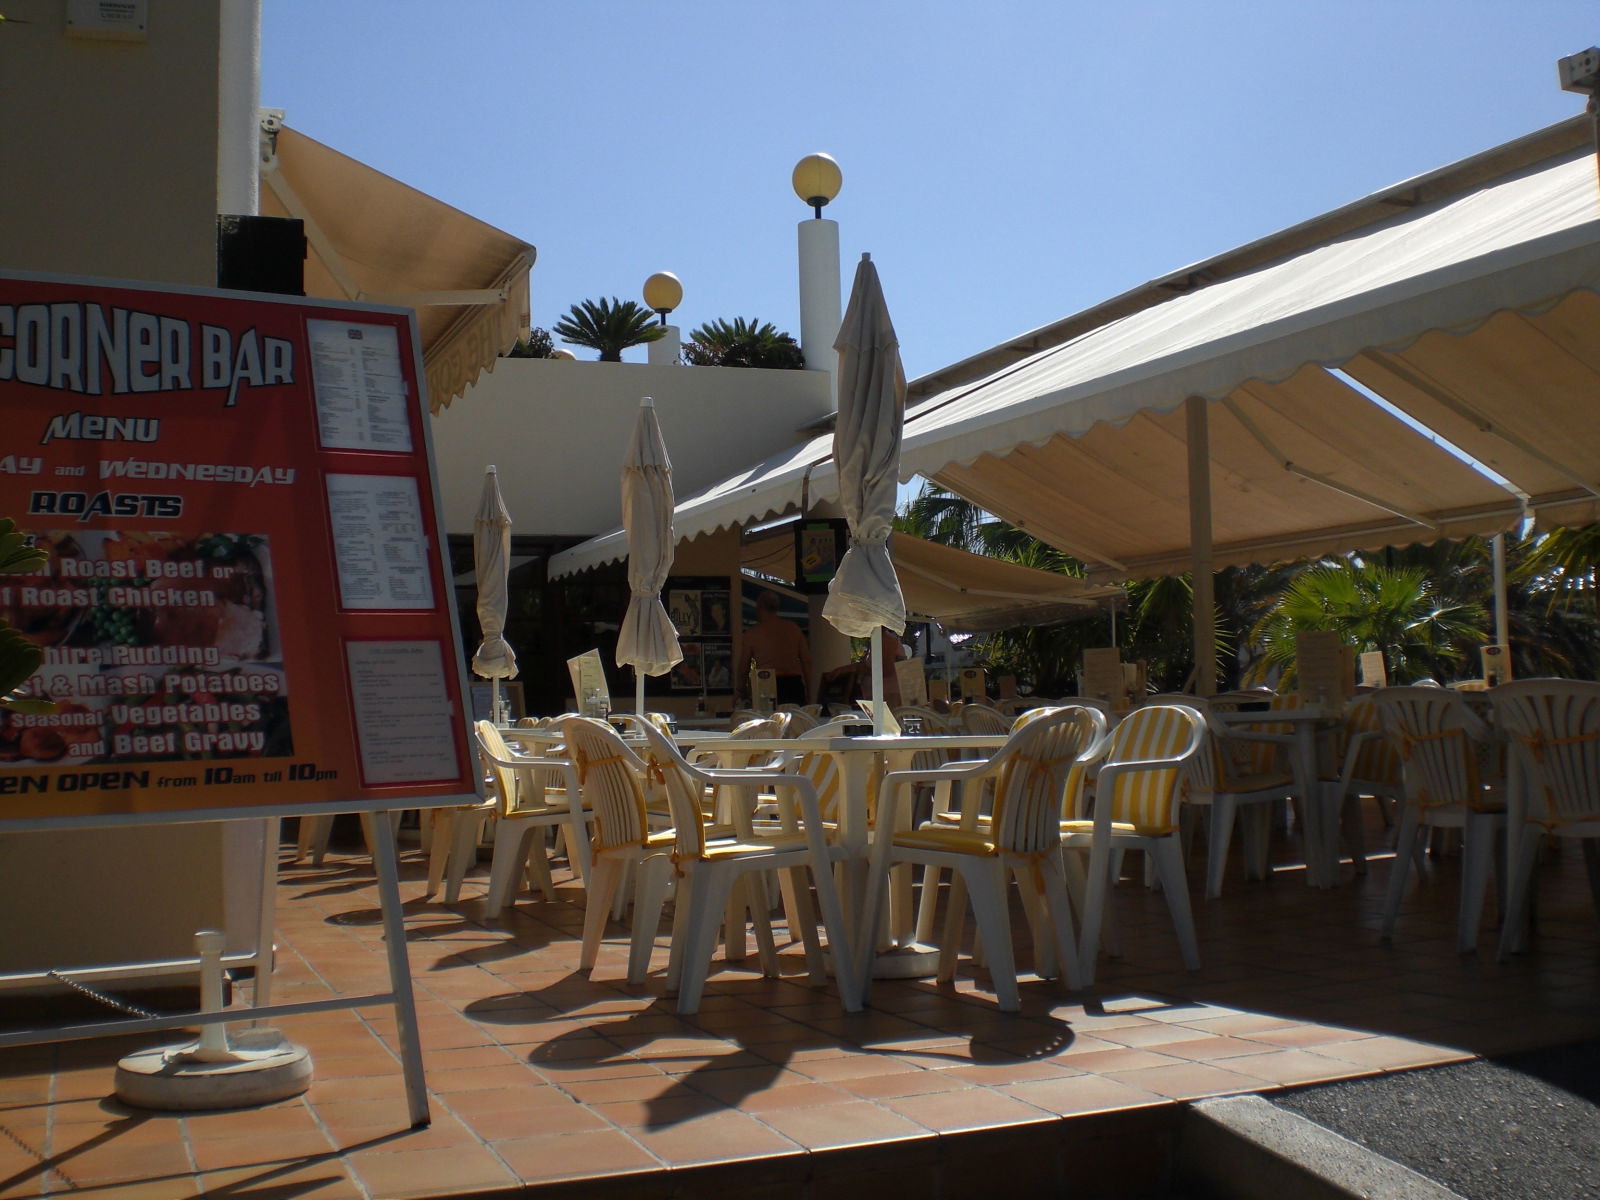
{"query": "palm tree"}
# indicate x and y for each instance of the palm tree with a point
(937, 515)
(1563, 566)
(742, 344)
(609, 326)
(1043, 658)
(1400, 610)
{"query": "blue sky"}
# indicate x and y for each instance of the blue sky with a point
(1005, 163)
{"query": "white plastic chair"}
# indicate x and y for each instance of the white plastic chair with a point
(799, 720)
(1554, 727)
(981, 719)
(932, 722)
(1368, 766)
(967, 804)
(1031, 772)
(707, 869)
(1240, 768)
(1443, 746)
(533, 793)
(1141, 774)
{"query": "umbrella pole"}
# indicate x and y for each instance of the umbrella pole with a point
(638, 691)
(878, 707)
(496, 711)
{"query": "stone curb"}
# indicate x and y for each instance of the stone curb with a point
(1246, 1148)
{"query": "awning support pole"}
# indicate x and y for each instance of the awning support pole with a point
(1502, 628)
(1205, 631)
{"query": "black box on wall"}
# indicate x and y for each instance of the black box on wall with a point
(261, 254)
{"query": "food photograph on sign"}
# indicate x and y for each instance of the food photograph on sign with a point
(158, 647)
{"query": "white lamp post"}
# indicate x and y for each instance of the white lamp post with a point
(663, 293)
(817, 180)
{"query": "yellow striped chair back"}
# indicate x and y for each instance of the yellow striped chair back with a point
(1234, 760)
(1035, 766)
(823, 771)
(1377, 761)
(1263, 757)
(671, 780)
(1023, 719)
(527, 785)
(1554, 725)
(1150, 800)
(502, 781)
(609, 775)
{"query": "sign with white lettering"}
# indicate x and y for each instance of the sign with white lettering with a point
(243, 603)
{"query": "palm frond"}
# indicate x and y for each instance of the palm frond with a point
(609, 326)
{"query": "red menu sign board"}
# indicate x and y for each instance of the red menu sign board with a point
(244, 604)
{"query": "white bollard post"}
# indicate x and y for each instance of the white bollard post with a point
(213, 1045)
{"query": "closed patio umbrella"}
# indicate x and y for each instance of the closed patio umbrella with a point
(648, 641)
(864, 596)
(491, 560)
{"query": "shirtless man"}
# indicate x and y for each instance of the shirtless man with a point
(777, 645)
(860, 671)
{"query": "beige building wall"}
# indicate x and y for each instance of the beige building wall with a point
(109, 148)
(557, 431)
(108, 156)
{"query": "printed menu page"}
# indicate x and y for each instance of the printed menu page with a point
(405, 723)
(360, 387)
(1103, 676)
(379, 542)
(588, 675)
(1373, 671)
(913, 677)
(1324, 670)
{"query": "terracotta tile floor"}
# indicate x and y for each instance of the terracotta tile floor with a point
(542, 1079)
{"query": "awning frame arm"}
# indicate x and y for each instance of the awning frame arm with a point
(1293, 468)
(1080, 601)
(273, 178)
(1462, 409)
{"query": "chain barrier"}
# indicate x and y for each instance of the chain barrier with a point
(111, 1002)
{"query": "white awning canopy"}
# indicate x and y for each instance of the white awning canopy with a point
(963, 592)
(1476, 316)
(787, 482)
(372, 238)
(1465, 298)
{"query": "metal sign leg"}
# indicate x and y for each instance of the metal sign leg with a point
(381, 833)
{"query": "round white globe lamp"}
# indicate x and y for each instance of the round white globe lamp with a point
(817, 180)
(662, 293)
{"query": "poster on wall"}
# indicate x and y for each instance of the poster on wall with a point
(683, 607)
(819, 545)
(242, 604)
(688, 673)
(702, 609)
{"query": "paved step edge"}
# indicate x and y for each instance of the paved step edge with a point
(1246, 1148)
